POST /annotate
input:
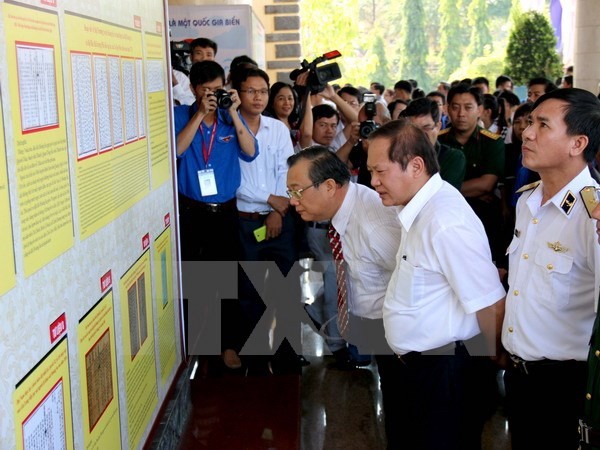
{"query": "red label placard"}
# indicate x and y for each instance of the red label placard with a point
(48, 2)
(146, 241)
(167, 220)
(106, 281)
(137, 22)
(58, 328)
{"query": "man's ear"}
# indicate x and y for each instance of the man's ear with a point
(579, 144)
(417, 166)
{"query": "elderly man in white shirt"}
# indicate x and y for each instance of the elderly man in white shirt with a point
(320, 189)
(444, 290)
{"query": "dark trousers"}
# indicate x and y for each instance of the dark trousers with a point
(283, 252)
(441, 406)
(207, 235)
(544, 404)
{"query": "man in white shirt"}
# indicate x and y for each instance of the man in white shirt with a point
(320, 189)
(444, 290)
(553, 261)
(262, 201)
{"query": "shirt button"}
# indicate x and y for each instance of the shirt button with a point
(588, 396)
(510, 329)
(549, 267)
(516, 292)
(525, 256)
(535, 221)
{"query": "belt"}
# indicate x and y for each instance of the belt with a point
(526, 366)
(320, 225)
(253, 215)
(445, 350)
(190, 203)
(588, 435)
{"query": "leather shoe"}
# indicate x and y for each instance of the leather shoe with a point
(231, 359)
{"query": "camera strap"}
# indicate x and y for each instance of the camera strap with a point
(207, 151)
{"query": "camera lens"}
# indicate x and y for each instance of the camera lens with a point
(223, 99)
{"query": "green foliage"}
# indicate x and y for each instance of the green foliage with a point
(450, 38)
(480, 41)
(381, 73)
(413, 59)
(489, 66)
(531, 49)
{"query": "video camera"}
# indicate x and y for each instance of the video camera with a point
(368, 126)
(319, 76)
(180, 53)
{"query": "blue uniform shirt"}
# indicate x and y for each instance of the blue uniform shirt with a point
(223, 158)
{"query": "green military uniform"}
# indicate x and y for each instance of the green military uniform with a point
(452, 164)
(590, 426)
(484, 153)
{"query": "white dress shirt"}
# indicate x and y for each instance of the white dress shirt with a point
(552, 281)
(267, 173)
(181, 91)
(370, 235)
(444, 272)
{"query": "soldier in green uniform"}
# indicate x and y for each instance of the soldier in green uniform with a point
(484, 152)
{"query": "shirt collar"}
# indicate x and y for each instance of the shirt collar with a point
(342, 216)
(570, 191)
(409, 213)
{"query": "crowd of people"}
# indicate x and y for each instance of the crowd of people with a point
(453, 229)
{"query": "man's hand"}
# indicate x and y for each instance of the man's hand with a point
(279, 204)
(328, 93)
(274, 222)
(207, 104)
(235, 98)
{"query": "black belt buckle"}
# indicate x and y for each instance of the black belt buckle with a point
(212, 207)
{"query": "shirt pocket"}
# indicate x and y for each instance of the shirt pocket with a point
(510, 252)
(553, 277)
(410, 285)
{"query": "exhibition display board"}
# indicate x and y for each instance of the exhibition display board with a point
(91, 341)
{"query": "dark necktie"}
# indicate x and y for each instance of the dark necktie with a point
(340, 269)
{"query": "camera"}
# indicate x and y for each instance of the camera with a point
(368, 126)
(319, 76)
(223, 99)
(180, 56)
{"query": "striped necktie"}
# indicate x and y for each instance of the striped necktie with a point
(340, 269)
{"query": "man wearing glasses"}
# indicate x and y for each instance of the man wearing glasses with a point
(262, 202)
(320, 189)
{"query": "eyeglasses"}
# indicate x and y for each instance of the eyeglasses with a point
(253, 92)
(297, 193)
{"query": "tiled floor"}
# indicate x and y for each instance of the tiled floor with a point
(323, 409)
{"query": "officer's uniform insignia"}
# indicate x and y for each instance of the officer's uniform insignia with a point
(588, 195)
(489, 134)
(528, 187)
(557, 247)
(568, 202)
(444, 131)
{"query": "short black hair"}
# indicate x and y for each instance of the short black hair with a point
(324, 111)
(549, 86)
(481, 80)
(437, 94)
(422, 107)
(351, 90)
(325, 165)
(467, 81)
(243, 74)
(581, 115)
(404, 85)
(463, 88)
(502, 79)
(510, 97)
(568, 79)
(204, 43)
(417, 93)
(378, 87)
(205, 71)
(392, 105)
(407, 142)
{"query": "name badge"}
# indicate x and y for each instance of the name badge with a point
(207, 182)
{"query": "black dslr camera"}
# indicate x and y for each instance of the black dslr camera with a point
(180, 56)
(223, 99)
(319, 76)
(369, 125)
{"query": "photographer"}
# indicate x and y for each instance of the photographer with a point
(201, 49)
(211, 139)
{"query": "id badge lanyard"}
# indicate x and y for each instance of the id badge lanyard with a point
(206, 177)
(207, 151)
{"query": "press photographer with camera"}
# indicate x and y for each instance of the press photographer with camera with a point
(210, 140)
